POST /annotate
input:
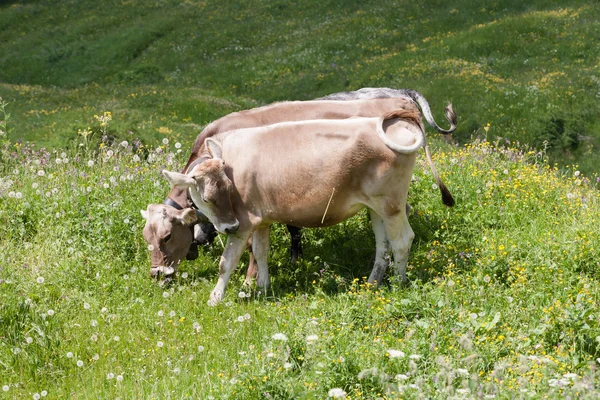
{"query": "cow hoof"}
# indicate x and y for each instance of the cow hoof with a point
(215, 298)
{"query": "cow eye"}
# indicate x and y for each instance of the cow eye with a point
(167, 238)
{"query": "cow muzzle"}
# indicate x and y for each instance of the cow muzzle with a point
(156, 272)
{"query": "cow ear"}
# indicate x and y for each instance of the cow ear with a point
(188, 216)
(214, 148)
(144, 214)
(179, 180)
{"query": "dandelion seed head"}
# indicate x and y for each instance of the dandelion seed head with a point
(159, 344)
(337, 393)
(279, 336)
(5, 388)
(50, 312)
(69, 355)
(395, 353)
(79, 363)
(200, 349)
(40, 279)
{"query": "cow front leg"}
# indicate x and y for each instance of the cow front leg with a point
(231, 256)
(381, 248)
(296, 243)
(260, 248)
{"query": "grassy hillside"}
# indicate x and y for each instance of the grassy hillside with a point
(529, 70)
(502, 301)
(503, 293)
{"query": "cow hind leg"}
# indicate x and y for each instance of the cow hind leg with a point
(252, 266)
(260, 248)
(400, 235)
(381, 248)
(296, 244)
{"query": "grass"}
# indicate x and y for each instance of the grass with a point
(103, 95)
(502, 300)
(530, 70)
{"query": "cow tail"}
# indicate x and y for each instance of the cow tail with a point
(412, 116)
(424, 105)
(415, 118)
(447, 198)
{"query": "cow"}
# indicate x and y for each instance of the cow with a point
(168, 245)
(309, 174)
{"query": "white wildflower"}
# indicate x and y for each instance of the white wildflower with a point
(279, 336)
(395, 353)
(337, 393)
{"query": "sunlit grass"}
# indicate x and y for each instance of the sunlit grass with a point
(502, 300)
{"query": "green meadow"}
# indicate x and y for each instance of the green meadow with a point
(99, 97)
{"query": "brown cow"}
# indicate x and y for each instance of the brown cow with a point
(168, 248)
(309, 174)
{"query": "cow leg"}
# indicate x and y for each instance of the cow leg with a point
(400, 235)
(252, 267)
(296, 245)
(260, 248)
(231, 256)
(381, 248)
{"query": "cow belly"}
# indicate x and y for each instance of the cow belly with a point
(314, 215)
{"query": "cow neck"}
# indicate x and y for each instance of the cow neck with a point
(180, 198)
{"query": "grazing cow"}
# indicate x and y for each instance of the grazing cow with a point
(309, 174)
(169, 247)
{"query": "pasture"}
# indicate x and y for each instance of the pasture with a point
(502, 301)
(96, 98)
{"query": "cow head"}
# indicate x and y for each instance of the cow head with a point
(169, 236)
(210, 189)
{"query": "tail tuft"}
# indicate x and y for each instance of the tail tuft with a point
(451, 116)
(447, 198)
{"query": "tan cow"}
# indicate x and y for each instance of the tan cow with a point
(309, 174)
(169, 244)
